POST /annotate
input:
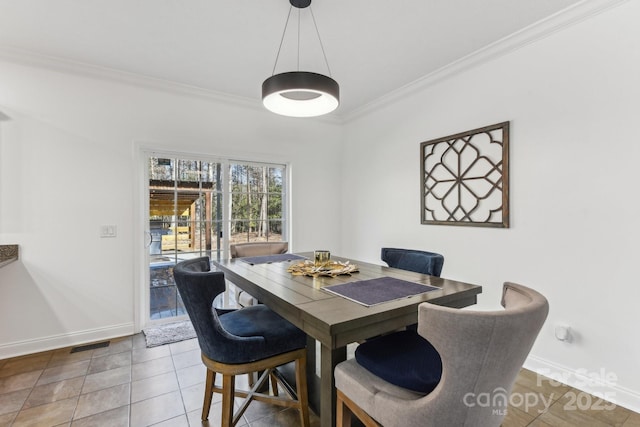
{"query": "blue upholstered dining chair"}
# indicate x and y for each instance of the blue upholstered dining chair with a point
(413, 260)
(457, 369)
(236, 342)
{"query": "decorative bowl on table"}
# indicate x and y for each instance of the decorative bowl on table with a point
(330, 269)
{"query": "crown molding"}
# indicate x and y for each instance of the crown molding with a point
(563, 19)
(39, 60)
(67, 66)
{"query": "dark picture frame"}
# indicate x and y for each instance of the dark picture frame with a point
(464, 178)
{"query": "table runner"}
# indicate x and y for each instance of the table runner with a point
(268, 259)
(377, 291)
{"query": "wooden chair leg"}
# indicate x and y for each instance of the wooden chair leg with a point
(251, 376)
(343, 414)
(208, 394)
(228, 394)
(229, 417)
(274, 384)
(346, 407)
(301, 383)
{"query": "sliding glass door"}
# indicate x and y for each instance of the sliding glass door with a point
(185, 221)
(198, 207)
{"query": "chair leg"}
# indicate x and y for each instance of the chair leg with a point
(228, 394)
(253, 378)
(343, 414)
(346, 407)
(274, 384)
(301, 383)
(208, 394)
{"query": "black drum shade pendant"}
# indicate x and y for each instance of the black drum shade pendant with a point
(300, 93)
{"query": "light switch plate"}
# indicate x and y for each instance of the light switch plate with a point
(108, 231)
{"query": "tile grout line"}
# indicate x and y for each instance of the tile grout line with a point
(175, 373)
(84, 380)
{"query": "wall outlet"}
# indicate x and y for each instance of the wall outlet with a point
(563, 333)
(108, 231)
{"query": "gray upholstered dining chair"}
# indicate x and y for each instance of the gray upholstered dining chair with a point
(251, 249)
(238, 250)
(458, 369)
(413, 260)
(236, 342)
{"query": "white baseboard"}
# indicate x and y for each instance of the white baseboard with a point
(602, 383)
(20, 348)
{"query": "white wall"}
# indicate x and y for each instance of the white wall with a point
(67, 166)
(572, 99)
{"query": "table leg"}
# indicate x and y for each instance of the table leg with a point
(328, 360)
(313, 380)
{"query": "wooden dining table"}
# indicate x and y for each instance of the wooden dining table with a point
(335, 321)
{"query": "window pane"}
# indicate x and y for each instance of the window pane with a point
(188, 170)
(238, 176)
(257, 179)
(255, 206)
(186, 202)
(247, 206)
(239, 232)
(256, 199)
(274, 206)
(259, 232)
(275, 179)
(161, 202)
(209, 172)
(275, 231)
(239, 206)
(161, 169)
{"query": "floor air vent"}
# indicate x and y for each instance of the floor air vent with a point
(90, 346)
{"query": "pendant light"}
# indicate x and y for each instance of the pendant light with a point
(300, 93)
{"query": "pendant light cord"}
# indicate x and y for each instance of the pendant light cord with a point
(298, 61)
(282, 40)
(320, 39)
(284, 31)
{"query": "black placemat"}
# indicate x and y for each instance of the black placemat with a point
(268, 259)
(376, 291)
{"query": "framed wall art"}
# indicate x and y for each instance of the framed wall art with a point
(465, 178)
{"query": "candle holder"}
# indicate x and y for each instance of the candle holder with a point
(321, 258)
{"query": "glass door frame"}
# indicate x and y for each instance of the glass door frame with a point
(142, 153)
(142, 295)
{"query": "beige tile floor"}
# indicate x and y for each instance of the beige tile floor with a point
(127, 384)
(124, 384)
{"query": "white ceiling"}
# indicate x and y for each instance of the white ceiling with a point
(229, 47)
